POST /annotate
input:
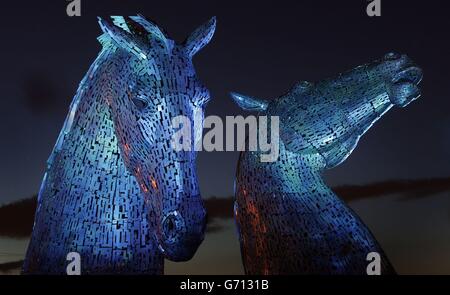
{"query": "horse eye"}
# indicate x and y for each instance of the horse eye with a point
(139, 103)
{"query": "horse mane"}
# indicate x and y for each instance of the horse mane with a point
(87, 182)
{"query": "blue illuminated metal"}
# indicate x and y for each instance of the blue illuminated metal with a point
(115, 191)
(289, 220)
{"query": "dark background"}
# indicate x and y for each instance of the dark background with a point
(259, 48)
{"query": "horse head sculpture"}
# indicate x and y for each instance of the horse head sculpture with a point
(115, 191)
(288, 218)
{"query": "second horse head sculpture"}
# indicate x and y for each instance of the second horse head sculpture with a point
(289, 220)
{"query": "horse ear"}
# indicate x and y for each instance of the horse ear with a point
(249, 103)
(123, 38)
(200, 37)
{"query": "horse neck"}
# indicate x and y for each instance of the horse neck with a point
(88, 125)
(291, 173)
(86, 162)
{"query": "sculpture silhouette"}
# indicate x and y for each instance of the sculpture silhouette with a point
(289, 221)
(115, 191)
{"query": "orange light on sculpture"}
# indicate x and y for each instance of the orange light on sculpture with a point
(154, 184)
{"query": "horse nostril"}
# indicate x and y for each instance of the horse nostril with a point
(172, 225)
(412, 74)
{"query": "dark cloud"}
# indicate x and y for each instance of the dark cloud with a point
(16, 219)
(218, 210)
(222, 208)
(409, 189)
(219, 207)
(11, 266)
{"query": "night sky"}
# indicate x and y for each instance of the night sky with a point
(259, 49)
